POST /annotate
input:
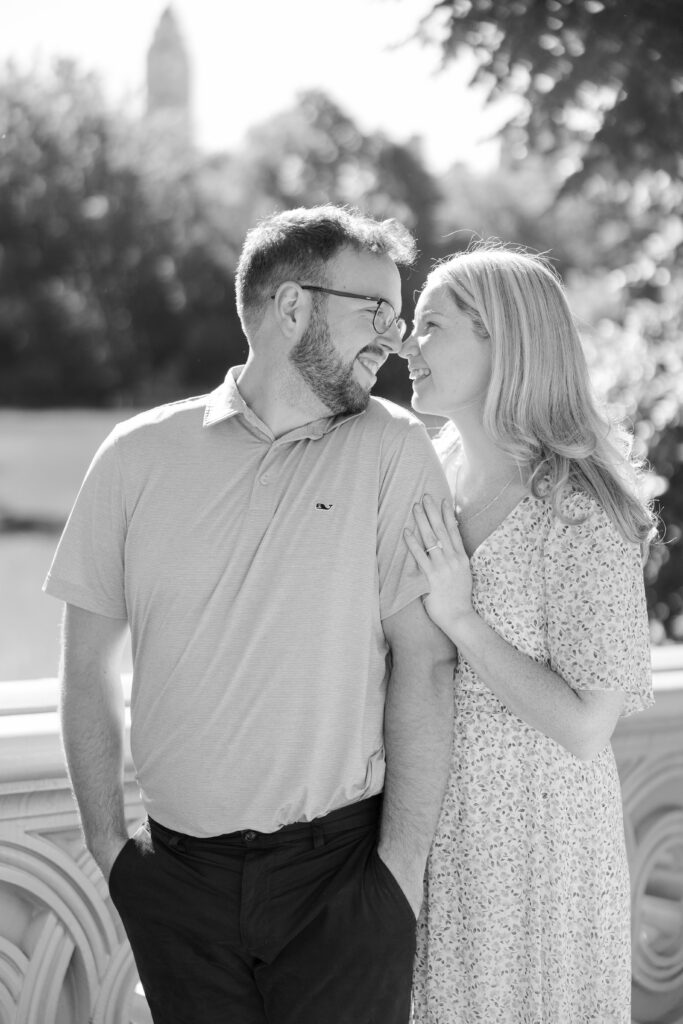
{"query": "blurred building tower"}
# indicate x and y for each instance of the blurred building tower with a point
(168, 113)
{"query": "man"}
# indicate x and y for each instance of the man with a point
(253, 541)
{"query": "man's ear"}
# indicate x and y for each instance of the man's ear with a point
(292, 309)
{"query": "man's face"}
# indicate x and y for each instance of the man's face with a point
(340, 352)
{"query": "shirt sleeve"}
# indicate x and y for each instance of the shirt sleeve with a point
(598, 635)
(88, 566)
(410, 470)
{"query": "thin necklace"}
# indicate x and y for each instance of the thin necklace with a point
(466, 519)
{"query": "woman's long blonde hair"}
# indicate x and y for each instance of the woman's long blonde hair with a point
(539, 407)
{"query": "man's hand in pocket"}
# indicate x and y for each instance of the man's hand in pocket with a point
(409, 875)
(106, 851)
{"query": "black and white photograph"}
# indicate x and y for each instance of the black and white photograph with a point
(341, 512)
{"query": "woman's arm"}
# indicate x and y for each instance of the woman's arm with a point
(582, 721)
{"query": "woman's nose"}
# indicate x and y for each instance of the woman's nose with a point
(409, 347)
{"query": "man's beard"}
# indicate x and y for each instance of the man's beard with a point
(326, 374)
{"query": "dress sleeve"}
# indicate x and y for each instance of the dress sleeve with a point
(410, 469)
(597, 627)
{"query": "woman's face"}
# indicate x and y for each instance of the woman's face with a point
(450, 365)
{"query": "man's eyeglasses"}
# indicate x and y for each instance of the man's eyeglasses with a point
(384, 316)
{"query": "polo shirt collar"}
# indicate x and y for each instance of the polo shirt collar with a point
(226, 401)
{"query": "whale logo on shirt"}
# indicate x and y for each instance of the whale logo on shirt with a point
(322, 505)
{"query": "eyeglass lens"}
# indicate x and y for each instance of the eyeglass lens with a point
(385, 317)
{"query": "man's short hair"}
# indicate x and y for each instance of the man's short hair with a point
(296, 245)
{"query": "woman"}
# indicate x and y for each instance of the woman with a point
(538, 582)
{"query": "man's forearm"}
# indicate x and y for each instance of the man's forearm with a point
(418, 729)
(92, 732)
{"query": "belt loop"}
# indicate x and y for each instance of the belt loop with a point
(318, 831)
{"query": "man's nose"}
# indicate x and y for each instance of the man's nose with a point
(391, 340)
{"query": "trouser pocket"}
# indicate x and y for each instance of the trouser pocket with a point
(388, 881)
(126, 857)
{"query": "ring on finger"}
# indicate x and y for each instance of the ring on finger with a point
(433, 547)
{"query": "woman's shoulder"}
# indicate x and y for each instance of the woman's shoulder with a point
(578, 507)
(578, 519)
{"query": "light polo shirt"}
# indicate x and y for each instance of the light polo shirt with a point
(255, 573)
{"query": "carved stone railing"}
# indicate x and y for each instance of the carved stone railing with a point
(64, 958)
(649, 752)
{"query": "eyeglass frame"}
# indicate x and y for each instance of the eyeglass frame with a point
(401, 325)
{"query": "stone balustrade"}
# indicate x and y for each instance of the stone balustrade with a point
(64, 958)
(649, 752)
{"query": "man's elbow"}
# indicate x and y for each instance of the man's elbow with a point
(435, 680)
(444, 673)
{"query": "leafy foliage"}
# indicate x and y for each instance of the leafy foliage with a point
(98, 261)
(314, 153)
(600, 88)
(118, 249)
(604, 72)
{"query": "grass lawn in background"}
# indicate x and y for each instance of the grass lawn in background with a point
(43, 457)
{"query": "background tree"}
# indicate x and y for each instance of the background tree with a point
(105, 261)
(314, 153)
(120, 245)
(599, 84)
(603, 74)
(118, 248)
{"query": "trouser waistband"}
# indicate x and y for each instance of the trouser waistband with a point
(362, 813)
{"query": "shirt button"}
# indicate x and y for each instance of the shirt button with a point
(249, 837)
(264, 479)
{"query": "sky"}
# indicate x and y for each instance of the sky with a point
(251, 57)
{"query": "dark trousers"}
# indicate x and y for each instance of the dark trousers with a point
(303, 926)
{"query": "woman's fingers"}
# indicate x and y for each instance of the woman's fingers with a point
(417, 550)
(452, 528)
(434, 517)
(426, 532)
(437, 529)
(444, 525)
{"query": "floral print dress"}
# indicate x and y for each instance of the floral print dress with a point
(526, 912)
